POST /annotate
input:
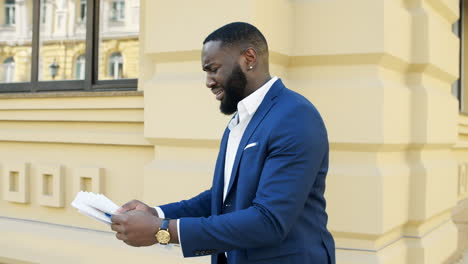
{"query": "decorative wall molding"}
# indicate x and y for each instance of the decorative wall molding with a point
(50, 182)
(88, 179)
(51, 185)
(16, 182)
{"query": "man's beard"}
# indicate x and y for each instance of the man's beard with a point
(233, 91)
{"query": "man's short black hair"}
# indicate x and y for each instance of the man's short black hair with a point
(239, 33)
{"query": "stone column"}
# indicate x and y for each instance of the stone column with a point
(381, 72)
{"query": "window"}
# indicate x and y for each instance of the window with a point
(10, 13)
(43, 11)
(80, 68)
(118, 10)
(82, 11)
(8, 70)
(116, 66)
(51, 54)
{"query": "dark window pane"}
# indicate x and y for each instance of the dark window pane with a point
(118, 10)
(82, 15)
(10, 13)
(43, 11)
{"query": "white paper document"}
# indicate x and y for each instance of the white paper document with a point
(95, 205)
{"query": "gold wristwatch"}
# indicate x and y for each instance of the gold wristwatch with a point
(163, 236)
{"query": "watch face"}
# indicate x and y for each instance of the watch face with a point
(163, 236)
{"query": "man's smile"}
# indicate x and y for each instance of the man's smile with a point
(219, 92)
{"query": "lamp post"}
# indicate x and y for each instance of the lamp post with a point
(54, 67)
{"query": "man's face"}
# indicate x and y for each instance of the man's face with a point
(224, 75)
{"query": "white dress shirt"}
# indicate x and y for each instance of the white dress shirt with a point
(245, 111)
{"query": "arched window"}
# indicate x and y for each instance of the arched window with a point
(10, 12)
(8, 70)
(80, 67)
(116, 65)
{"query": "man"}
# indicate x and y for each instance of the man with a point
(266, 204)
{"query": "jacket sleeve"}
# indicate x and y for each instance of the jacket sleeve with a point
(198, 206)
(297, 147)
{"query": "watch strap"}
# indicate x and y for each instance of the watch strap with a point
(165, 224)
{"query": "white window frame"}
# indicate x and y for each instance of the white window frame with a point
(80, 66)
(116, 65)
(8, 70)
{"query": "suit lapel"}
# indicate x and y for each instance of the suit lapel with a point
(262, 111)
(218, 181)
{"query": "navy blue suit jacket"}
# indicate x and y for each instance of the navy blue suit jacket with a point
(274, 210)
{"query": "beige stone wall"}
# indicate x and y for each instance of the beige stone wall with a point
(50, 145)
(460, 212)
(379, 71)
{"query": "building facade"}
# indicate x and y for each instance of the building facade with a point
(386, 75)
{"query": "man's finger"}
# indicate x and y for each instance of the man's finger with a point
(118, 228)
(118, 219)
(127, 207)
(120, 236)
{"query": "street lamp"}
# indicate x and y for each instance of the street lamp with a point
(54, 67)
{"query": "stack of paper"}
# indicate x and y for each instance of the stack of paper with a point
(95, 205)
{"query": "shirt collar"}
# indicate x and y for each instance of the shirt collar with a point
(249, 105)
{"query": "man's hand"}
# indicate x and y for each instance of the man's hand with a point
(136, 227)
(137, 205)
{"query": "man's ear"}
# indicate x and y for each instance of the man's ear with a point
(250, 58)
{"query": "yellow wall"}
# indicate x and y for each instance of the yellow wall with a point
(379, 71)
(78, 133)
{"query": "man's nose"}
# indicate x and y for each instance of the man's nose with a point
(210, 83)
